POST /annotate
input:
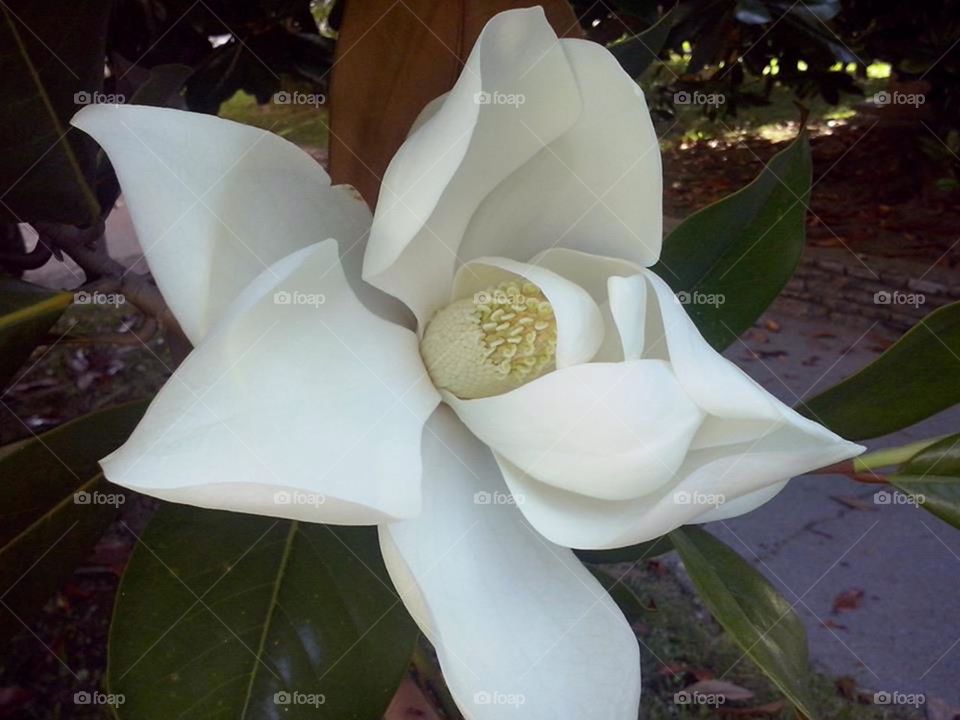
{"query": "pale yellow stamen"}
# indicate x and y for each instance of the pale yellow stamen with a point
(491, 343)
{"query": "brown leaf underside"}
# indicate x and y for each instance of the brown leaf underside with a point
(392, 58)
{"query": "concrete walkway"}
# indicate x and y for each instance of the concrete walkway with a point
(824, 537)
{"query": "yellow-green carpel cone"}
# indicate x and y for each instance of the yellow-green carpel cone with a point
(488, 344)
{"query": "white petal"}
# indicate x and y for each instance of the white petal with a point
(300, 403)
(520, 627)
(579, 322)
(712, 484)
(447, 166)
(214, 203)
(603, 430)
(591, 272)
(596, 188)
(628, 305)
(748, 445)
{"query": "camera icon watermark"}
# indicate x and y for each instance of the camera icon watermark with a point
(499, 98)
(295, 697)
(696, 97)
(286, 297)
(886, 97)
(700, 298)
(497, 497)
(695, 697)
(83, 497)
(298, 497)
(83, 97)
(885, 497)
(95, 697)
(286, 97)
(87, 297)
(695, 497)
(899, 698)
(896, 297)
(486, 697)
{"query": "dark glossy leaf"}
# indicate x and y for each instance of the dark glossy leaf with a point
(55, 506)
(26, 313)
(51, 63)
(630, 604)
(750, 609)
(933, 476)
(633, 553)
(729, 261)
(914, 379)
(636, 54)
(240, 616)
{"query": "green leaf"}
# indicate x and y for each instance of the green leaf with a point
(47, 529)
(637, 53)
(750, 609)
(46, 59)
(219, 612)
(26, 313)
(933, 476)
(630, 604)
(633, 554)
(914, 379)
(730, 260)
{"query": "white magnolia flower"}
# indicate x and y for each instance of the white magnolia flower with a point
(547, 392)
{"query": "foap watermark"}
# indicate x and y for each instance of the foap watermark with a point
(885, 497)
(696, 697)
(285, 97)
(497, 497)
(295, 697)
(485, 697)
(700, 298)
(498, 297)
(698, 98)
(285, 297)
(499, 98)
(899, 698)
(83, 497)
(298, 497)
(896, 297)
(886, 97)
(95, 697)
(695, 497)
(96, 297)
(98, 98)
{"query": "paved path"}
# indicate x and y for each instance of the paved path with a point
(905, 633)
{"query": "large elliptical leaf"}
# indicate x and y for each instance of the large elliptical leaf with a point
(731, 259)
(45, 531)
(915, 378)
(934, 474)
(750, 609)
(26, 313)
(246, 617)
(51, 62)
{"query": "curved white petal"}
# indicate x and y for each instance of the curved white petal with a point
(520, 627)
(592, 272)
(215, 203)
(603, 430)
(300, 403)
(579, 322)
(628, 306)
(596, 188)
(445, 168)
(748, 445)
